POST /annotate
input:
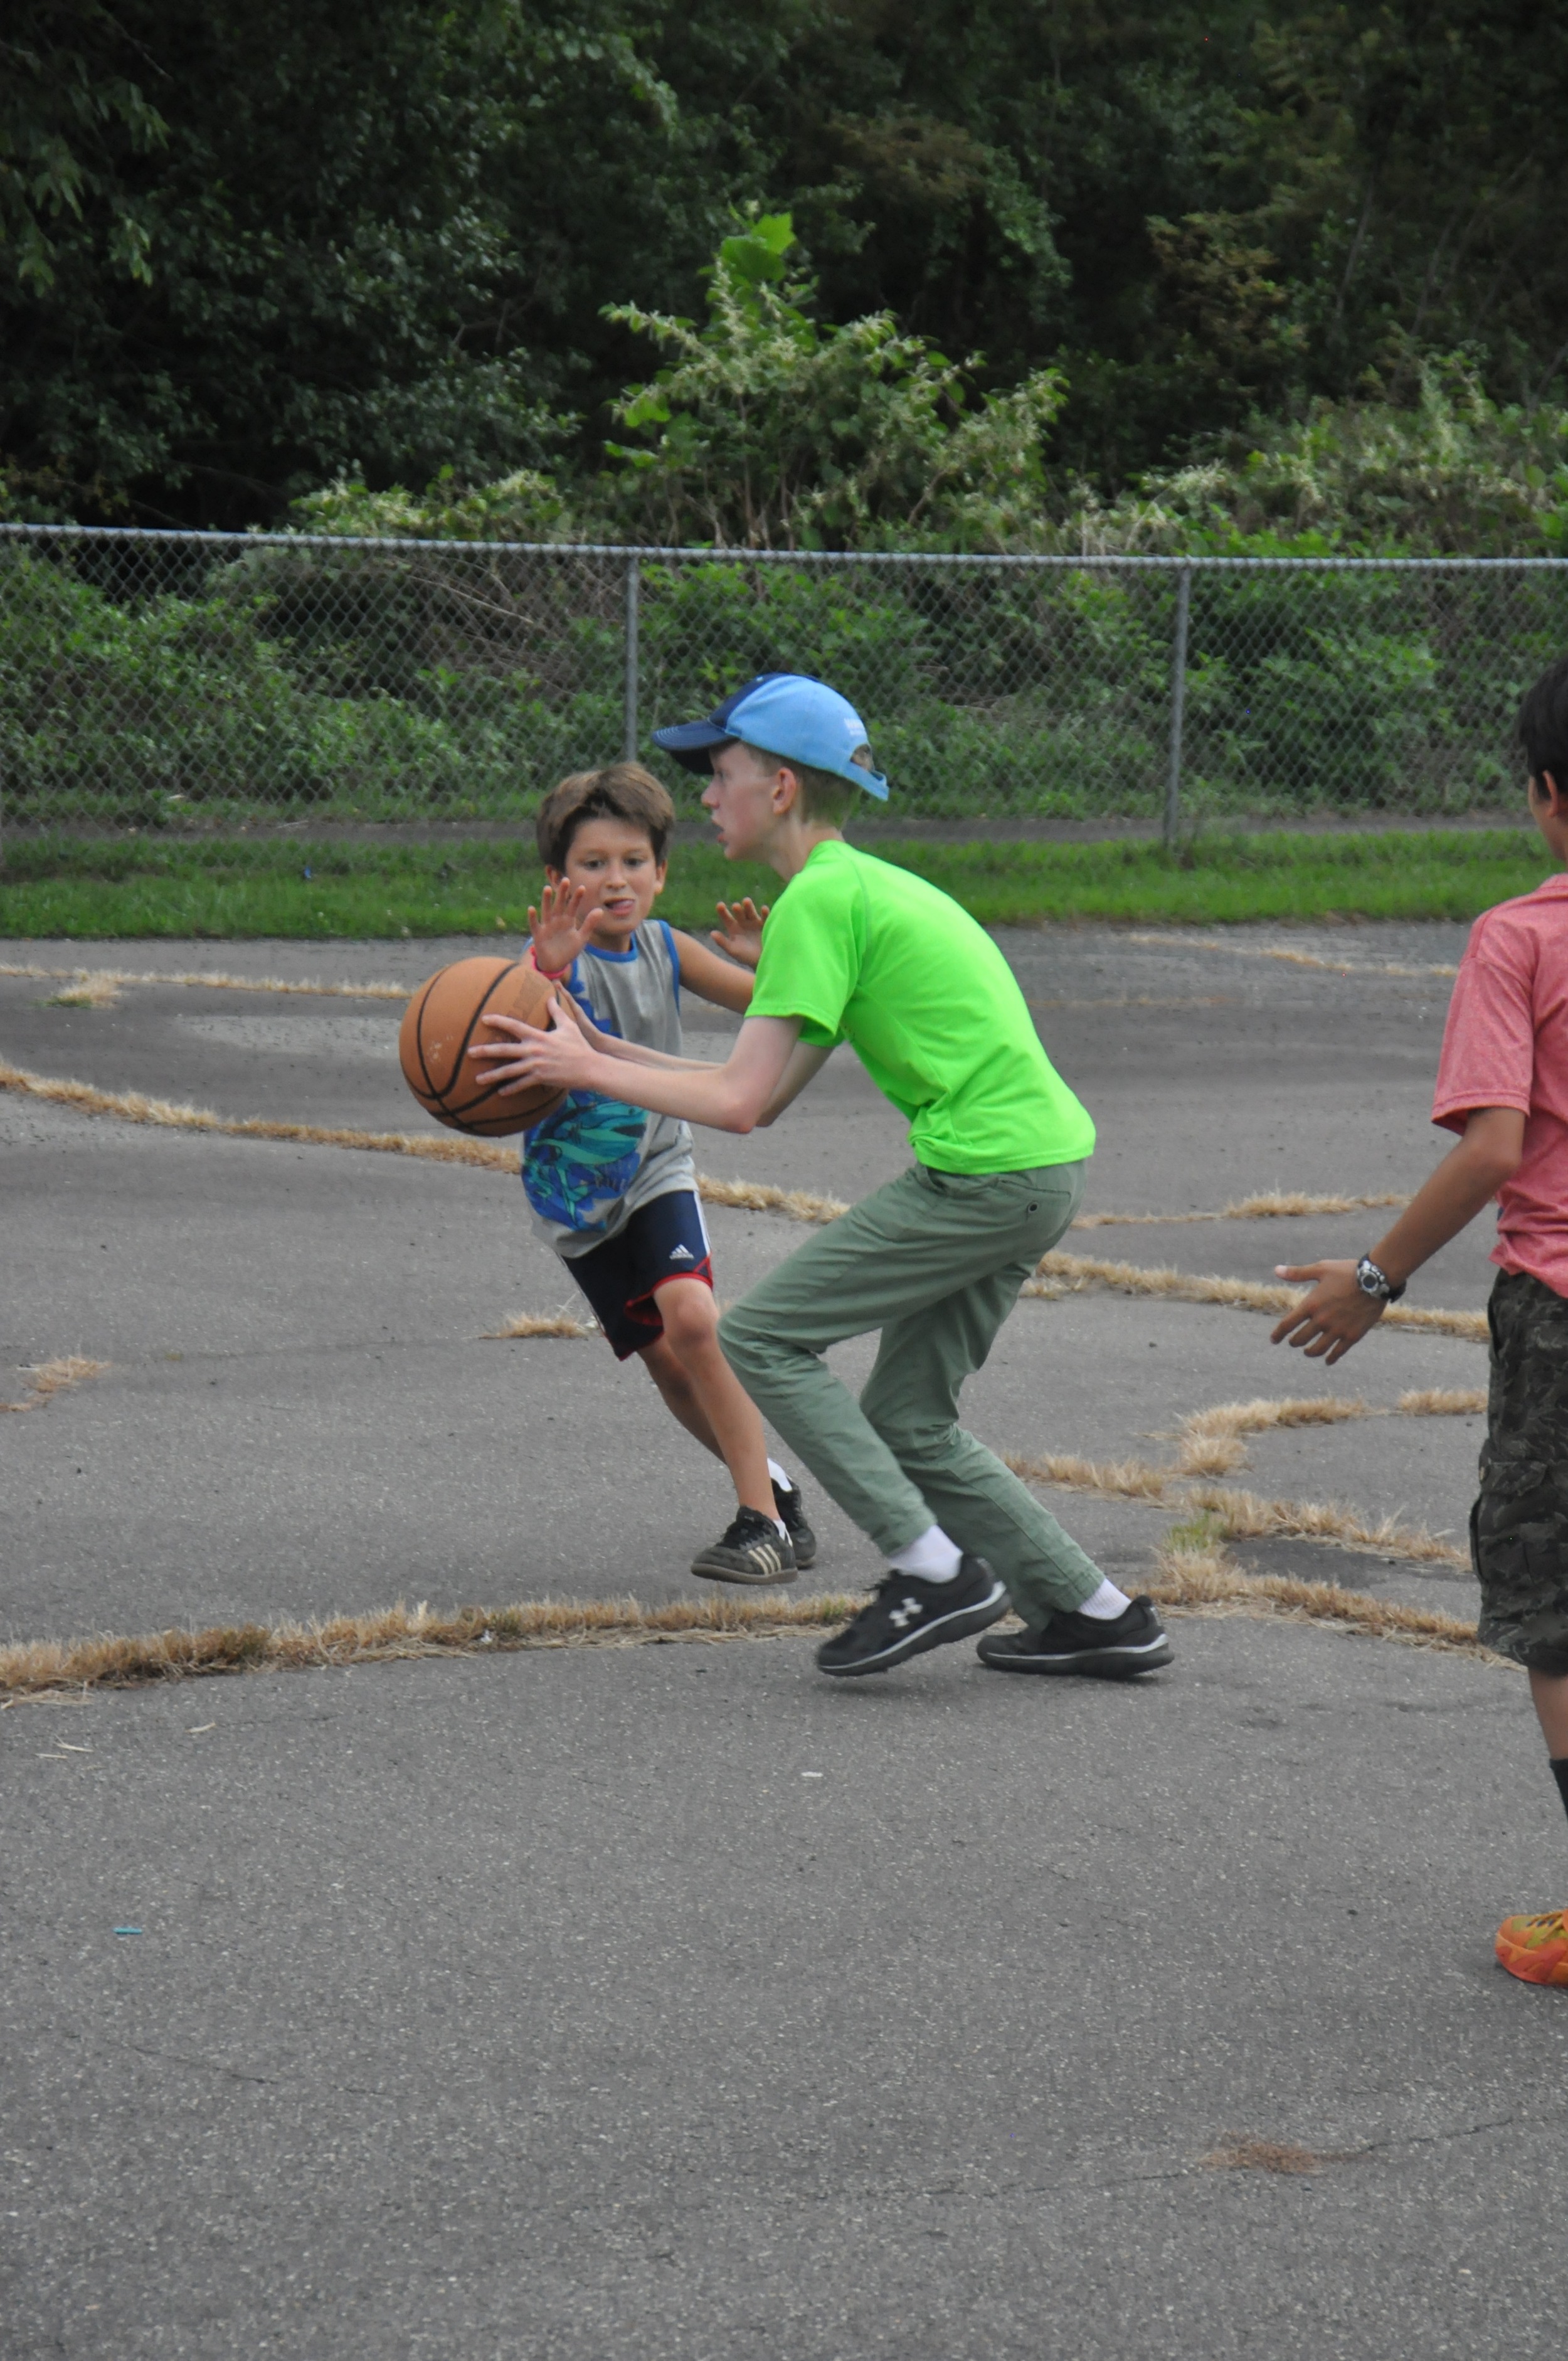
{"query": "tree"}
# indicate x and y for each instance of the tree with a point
(246, 252)
(770, 430)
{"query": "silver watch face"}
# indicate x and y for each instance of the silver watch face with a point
(1370, 1280)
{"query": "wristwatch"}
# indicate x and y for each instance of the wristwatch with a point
(1376, 1283)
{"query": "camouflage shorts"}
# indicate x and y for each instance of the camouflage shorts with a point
(1518, 1527)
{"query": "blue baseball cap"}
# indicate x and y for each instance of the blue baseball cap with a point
(784, 713)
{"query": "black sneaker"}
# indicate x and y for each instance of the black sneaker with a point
(754, 1550)
(1116, 1648)
(801, 1539)
(906, 1616)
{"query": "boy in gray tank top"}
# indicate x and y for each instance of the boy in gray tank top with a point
(613, 1190)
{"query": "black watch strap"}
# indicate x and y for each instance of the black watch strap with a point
(1374, 1281)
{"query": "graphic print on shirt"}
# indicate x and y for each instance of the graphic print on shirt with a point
(582, 1159)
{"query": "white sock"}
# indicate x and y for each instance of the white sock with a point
(1107, 1603)
(931, 1555)
(777, 1475)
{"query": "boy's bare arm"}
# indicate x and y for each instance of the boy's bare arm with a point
(712, 978)
(806, 1060)
(607, 1045)
(1338, 1314)
(731, 1097)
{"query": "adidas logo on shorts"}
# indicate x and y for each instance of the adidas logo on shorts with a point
(682, 1253)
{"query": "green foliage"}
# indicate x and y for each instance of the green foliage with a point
(528, 505)
(1452, 472)
(245, 253)
(63, 105)
(772, 430)
(260, 887)
(246, 696)
(377, 682)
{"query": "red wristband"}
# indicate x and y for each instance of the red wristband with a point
(551, 975)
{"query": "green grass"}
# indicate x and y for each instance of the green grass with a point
(132, 888)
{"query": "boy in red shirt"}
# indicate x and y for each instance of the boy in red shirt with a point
(1502, 1084)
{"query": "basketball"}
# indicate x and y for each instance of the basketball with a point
(445, 1018)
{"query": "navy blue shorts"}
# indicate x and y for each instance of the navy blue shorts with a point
(665, 1240)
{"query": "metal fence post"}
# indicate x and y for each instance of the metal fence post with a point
(629, 692)
(1178, 706)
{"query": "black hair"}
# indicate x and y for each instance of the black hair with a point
(1541, 728)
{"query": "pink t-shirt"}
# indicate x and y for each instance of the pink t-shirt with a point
(1506, 1045)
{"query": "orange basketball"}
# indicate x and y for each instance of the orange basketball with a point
(445, 1018)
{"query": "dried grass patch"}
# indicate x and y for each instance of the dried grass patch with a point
(114, 978)
(1248, 1516)
(58, 1377)
(1202, 1579)
(1241, 2152)
(1058, 1274)
(1210, 1442)
(758, 1197)
(1270, 1204)
(1127, 1479)
(88, 989)
(1442, 1402)
(391, 1634)
(135, 1106)
(539, 1323)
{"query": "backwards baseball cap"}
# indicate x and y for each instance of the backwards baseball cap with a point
(784, 713)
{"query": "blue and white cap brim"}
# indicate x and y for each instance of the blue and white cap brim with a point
(787, 714)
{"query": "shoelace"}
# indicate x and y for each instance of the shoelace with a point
(758, 1539)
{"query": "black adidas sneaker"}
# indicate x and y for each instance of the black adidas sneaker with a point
(754, 1550)
(1116, 1648)
(904, 1616)
(792, 1510)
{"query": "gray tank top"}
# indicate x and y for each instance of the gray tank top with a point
(588, 1167)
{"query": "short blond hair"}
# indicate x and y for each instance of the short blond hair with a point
(824, 795)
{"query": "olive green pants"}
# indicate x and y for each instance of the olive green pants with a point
(934, 1260)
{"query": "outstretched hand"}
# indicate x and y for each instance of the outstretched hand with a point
(741, 931)
(561, 1059)
(561, 926)
(1335, 1316)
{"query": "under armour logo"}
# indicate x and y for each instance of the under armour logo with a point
(904, 1612)
(682, 1253)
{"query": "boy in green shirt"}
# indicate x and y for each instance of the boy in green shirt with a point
(857, 951)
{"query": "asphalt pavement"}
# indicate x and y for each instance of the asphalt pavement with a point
(672, 2001)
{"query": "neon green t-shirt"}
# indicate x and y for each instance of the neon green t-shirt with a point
(870, 954)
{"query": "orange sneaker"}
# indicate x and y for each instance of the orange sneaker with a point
(1536, 1949)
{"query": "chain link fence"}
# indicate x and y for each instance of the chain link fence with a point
(206, 681)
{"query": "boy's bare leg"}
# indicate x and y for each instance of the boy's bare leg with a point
(705, 1394)
(1549, 1692)
(676, 1389)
